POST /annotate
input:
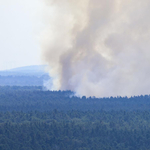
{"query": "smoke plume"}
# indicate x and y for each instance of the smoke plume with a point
(98, 47)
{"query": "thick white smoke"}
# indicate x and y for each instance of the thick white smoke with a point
(98, 47)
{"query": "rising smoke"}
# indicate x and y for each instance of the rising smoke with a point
(98, 47)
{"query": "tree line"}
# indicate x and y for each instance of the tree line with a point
(30, 98)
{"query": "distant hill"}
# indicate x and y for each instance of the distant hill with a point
(24, 76)
(35, 70)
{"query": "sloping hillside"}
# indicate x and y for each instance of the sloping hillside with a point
(36, 70)
(24, 76)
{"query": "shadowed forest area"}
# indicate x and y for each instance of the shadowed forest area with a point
(34, 119)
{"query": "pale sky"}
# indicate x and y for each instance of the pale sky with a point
(20, 28)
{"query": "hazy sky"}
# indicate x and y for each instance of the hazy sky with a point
(20, 27)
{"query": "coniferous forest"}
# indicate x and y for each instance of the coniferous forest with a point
(34, 119)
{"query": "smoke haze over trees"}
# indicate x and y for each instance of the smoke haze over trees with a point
(98, 47)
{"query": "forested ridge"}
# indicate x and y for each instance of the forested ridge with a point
(34, 119)
(23, 80)
(29, 98)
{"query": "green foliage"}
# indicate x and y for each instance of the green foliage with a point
(35, 98)
(75, 130)
(33, 119)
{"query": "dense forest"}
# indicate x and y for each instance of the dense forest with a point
(29, 98)
(34, 119)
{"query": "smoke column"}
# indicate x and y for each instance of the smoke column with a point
(98, 47)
